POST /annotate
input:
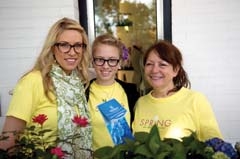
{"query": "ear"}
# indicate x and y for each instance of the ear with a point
(176, 70)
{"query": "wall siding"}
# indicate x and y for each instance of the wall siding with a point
(208, 34)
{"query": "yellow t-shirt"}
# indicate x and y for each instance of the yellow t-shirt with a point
(29, 100)
(177, 115)
(97, 95)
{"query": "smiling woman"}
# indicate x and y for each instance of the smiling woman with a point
(171, 98)
(69, 55)
(55, 87)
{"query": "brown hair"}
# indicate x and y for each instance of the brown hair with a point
(170, 53)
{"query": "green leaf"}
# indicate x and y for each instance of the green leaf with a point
(129, 141)
(154, 140)
(103, 152)
(31, 128)
(188, 139)
(179, 151)
(153, 143)
(162, 155)
(130, 144)
(44, 131)
(119, 148)
(34, 133)
(154, 131)
(143, 150)
(141, 136)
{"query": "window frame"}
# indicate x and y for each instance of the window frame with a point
(164, 18)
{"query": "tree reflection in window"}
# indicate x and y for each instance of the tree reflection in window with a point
(132, 21)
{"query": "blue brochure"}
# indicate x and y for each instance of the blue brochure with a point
(113, 114)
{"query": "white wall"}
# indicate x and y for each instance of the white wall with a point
(208, 34)
(24, 25)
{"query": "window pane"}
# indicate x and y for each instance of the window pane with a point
(132, 21)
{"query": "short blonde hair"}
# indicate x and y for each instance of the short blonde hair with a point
(107, 39)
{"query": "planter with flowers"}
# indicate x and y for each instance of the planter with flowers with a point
(150, 146)
(31, 145)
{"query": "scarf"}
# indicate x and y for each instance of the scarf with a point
(71, 101)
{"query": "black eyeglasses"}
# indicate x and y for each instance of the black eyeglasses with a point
(65, 47)
(101, 62)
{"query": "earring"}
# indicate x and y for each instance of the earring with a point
(54, 59)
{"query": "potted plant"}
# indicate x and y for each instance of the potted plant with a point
(150, 146)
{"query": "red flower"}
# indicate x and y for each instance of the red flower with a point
(80, 121)
(40, 119)
(57, 151)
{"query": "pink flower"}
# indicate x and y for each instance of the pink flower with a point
(57, 151)
(40, 119)
(80, 121)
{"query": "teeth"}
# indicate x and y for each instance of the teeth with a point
(70, 60)
(154, 77)
(105, 73)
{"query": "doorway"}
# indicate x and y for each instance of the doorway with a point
(137, 23)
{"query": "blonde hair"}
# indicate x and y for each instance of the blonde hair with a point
(107, 39)
(46, 58)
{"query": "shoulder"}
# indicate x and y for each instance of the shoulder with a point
(190, 92)
(34, 75)
(145, 98)
(29, 85)
(194, 95)
(31, 79)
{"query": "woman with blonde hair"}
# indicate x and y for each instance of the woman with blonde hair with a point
(55, 87)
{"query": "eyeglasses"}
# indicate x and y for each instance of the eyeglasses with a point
(110, 62)
(65, 47)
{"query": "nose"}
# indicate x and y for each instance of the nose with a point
(155, 68)
(105, 64)
(72, 51)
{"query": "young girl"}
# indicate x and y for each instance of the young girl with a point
(106, 56)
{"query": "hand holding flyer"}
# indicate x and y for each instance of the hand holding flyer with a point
(113, 114)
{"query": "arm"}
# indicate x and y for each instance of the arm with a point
(11, 124)
(21, 107)
(208, 126)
